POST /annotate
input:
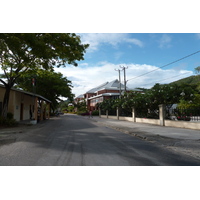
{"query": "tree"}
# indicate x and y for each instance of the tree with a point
(146, 104)
(49, 84)
(197, 70)
(21, 52)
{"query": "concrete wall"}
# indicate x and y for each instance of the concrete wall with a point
(148, 121)
(20, 100)
(161, 121)
(183, 124)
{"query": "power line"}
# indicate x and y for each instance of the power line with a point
(165, 65)
(165, 79)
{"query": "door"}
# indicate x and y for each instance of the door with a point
(21, 111)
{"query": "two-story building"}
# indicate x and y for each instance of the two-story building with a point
(104, 91)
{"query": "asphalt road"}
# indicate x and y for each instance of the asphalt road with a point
(72, 140)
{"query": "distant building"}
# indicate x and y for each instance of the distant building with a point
(79, 98)
(104, 91)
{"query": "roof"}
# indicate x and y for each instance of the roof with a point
(80, 96)
(28, 93)
(93, 90)
(113, 85)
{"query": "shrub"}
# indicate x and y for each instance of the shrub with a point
(8, 122)
(95, 113)
(9, 115)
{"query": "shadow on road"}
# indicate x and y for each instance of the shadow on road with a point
(75, 135)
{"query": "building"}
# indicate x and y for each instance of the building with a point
(79, 98)
(104, 91)
(26, 105)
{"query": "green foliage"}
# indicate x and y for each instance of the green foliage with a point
(7, 122)
(95, 113)
(49, 84)
(192, 104)
(22, 52)
(70, 108)
(9, 115)
(81, 106)
(146, 104)
(197, 70)
(191, 80)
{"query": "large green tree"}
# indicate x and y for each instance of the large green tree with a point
(47, 83)
(21, 52)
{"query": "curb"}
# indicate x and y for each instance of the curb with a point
(123, 130)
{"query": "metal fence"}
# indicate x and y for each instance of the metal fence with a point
(183, 114)
(112, 112)
(125, 113)
(103, 112)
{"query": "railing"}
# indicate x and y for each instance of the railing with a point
(112, 112)
(125, 113)
(150, 114)
(184, 114)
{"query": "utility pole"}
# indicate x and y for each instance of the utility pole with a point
(124, 68)
(119, 82)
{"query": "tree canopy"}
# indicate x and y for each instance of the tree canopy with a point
(21, 52)
(146, 103)
(47, 83)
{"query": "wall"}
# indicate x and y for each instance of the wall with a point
(26, 100)
(161, 121)
(148, 121)
(107, 91)
(182, 124)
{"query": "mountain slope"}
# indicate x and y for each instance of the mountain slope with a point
(189, 80)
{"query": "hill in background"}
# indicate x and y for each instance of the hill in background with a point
(191, 80)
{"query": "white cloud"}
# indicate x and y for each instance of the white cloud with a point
(198, 35)
(86, 78)
(96, 39)
(134, 41)
(165, 41)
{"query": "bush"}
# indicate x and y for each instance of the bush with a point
(9, 115)
(84, 114)
(8, 122)
(95, 113)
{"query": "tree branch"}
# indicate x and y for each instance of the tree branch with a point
(3, 82)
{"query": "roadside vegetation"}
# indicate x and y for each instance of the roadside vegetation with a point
(8, 121)
(22, 53)
(146, 103)
(25, 56)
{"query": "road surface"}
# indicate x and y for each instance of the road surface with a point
(72, 140)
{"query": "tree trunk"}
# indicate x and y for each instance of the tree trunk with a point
(5, 101)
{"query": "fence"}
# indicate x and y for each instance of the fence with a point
(184, 114)
(125, 113)
(171, 117)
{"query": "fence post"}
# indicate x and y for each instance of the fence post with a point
(162, 114)
(117, 113)
(100, 112)
(133, 114)
(107, 113)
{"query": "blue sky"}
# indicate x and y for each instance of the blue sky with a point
(142, 35)
(140, 52)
